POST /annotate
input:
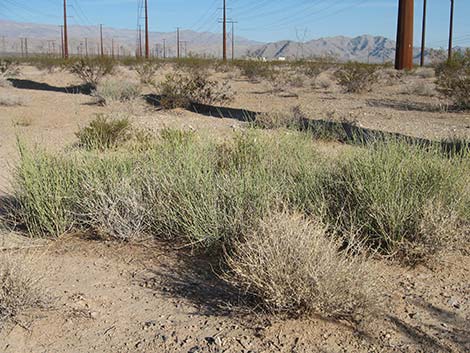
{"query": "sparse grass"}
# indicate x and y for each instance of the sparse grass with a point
(182, 89)
(292, 266)
(356, 77)
(112, 91)
(104, 132)
(10, 100)
(20, 287)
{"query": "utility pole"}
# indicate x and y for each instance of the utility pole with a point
(224, 32)
(423, 33)
(66, 38)
(140, 41)
(4, 46)
(22, 47)
(101, 40)
(112, 48)
(178, 42)
(26, 46)
(451, 29)
(233, 39)
(164, 48)
(86, 47)
(147, 45)
(62, 41)
(404, 53)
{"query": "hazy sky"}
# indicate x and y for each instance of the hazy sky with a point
(264, 20)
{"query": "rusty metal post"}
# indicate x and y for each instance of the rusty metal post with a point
(404, 53)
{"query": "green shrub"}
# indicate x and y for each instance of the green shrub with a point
(394, 195)
(356, 77)
(254, 70)
(453, 80)
(104, 133)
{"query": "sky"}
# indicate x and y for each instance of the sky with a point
(261, 20)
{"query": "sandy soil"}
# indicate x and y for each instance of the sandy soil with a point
(110, 297)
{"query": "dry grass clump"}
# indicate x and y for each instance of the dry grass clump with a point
(453, 80)
(104, 132)
(112, 91)
(292, 266)
(356, 77)
(10, 100)
(20, 287)
(180, 90)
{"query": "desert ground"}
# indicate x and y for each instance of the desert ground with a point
(156, 296)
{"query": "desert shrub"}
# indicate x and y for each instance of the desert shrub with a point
(91, 70)
(8, 68)
(10, 100)
(20, 287)
(4, 83)
(420, 89)
(254, 70)
(388, 193)
(294, 119)
(109, 91)
(104, 132)
(425, 72)
(291, 265)
(147, 71)
(181, 90)
(356, 77)
(323, 82)
(453, 80)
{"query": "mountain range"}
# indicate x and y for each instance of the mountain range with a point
(43, 38)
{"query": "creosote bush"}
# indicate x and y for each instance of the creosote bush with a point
(356, 77)
(147, 71)
(292, 266)
(104, 132)
(8, 68)
(295, 119)
(91, 70)
(180, 90)
(112, 91)
(453, 80)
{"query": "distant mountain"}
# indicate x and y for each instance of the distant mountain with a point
(363, 48)
(46, 39)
